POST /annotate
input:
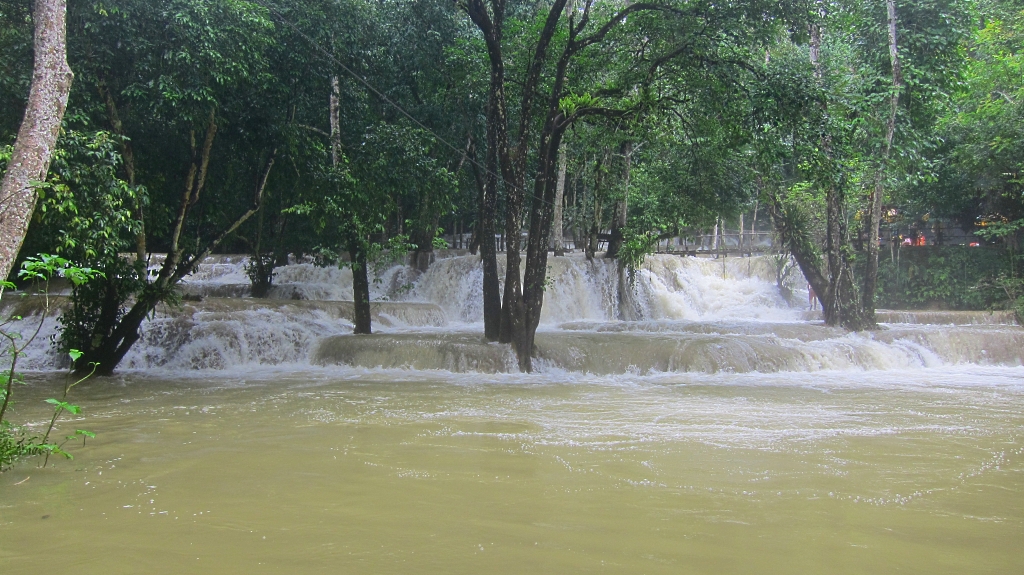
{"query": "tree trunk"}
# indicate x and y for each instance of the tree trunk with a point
(355, 245)
(360, 285)
(839, 302)
(621, 205)
(791, 225)
(335, 113)
(743, 236)
(512, 162)
(556, 223)
(541, 212)
(485, 222)
(40, 126)
(874, 220)
(115, 337)
(839, 306)
(497, 159)
(128, 157)
(753, 229)
(595, 224)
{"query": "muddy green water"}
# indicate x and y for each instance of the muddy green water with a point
(335, 471)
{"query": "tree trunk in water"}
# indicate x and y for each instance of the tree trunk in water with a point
(355, 246)
(513, 163)
(542, 210)
(360, 286)
(840, 306)
(115, 337)
(874, 220)
(261, 273)
(839, 302)
(556, 223)
(791, 225)
(595, 224)
(492, 27)
(621, 205)
(486, 226)
(40, 126)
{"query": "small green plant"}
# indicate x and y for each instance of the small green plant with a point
(59, 407)
(439, 243)
(260, 270)
(634, 251)
(14, 441)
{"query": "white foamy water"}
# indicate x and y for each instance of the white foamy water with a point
(687, 314)
(398, 471)
(666, 287)
(672, 287)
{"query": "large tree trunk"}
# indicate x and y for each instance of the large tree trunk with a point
(541, 212)
(512, 162)
(360, 285)
(839, 302)
(37, 137)
(873, 222)
(497, 159)
(621, 207)
(485, 218)
(839, 306)
(791, 226)
(556, 223)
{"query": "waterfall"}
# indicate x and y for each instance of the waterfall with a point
(665, 287)
(684, 314)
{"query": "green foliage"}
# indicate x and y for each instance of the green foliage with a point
(978, 166)
(59, 407)
(86, 211)
(16, 64)
(953, 277)
(353, 201)
(634, 250)
(260, 269)
(15, 443)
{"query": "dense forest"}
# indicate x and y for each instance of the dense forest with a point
(353, 131)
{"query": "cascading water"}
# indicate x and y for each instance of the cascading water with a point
(719, 430)
(687, 314)
(666, 287)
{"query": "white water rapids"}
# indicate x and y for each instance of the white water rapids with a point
(684, 314)
(693, 422)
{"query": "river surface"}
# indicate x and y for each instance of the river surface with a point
(895, 452)
(375, 472)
